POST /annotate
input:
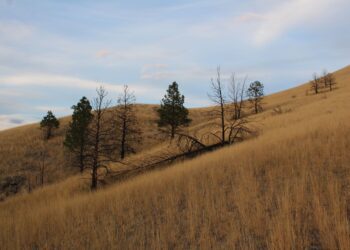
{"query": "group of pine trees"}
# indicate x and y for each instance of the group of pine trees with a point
(99, 134)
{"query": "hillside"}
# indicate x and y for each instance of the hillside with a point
(19, 150)
(288, 188)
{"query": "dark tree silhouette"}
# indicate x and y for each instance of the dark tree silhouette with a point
(255, 94)
(76, 135)
(48, 124)
(172, 112)
(128, 131)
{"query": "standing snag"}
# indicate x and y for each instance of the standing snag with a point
(48, 124)
(236, 96)
(255, 94)
(128, 131)
(172, 112)
(218, 97)
(329, 80)
(316, 83)
(101, 139)
(76, 135)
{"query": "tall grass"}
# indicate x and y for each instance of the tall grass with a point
(286, 189)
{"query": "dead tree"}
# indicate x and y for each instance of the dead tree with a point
(315, 83)
(217, 96)
(101, 141)
(128, 131)
(236, 96)
(328, 80)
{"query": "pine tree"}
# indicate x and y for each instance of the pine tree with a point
(172, 113)
(77, 131)
(48, 124)
(255, 93)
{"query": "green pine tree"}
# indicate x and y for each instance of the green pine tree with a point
(76, 135)
(48, 124)
(172, 113)
(255, 94)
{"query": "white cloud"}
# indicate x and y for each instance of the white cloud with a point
(62, 81)
(48, 80)
(290, 13)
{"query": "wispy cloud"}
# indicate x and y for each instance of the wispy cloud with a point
(287, 15)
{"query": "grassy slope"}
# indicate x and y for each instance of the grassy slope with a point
(16, 144)
(288, 188)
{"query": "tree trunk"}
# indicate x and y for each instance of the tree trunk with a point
(122, 146)
(172, 131)
(81, 159)
(94, 179)
(222, 122)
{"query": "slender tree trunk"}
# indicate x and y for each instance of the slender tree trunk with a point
(122, 147)
(96, 149)
(81, 158)
(48, 134)
(172, 132)
(222, 122)
(94, 179)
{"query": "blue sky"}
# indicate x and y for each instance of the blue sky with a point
(54, 52)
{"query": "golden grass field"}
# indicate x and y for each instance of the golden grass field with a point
(287, 188)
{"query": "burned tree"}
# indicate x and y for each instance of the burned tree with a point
(101, 137)
(76, 135)
(48, 124)
(128, 131)
(172, 112)
(236, 96)
(217, 96)
(255, 94)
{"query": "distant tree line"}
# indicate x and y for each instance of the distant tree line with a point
(323, 83)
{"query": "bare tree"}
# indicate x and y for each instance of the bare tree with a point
(236, 96)
(217, 96)
(328, 80)
(101, 141)
(127, 126)
(315, 83)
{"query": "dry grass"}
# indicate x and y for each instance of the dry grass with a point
(16, 145)
(287, 189)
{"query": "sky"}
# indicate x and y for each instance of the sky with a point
(54, 52)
